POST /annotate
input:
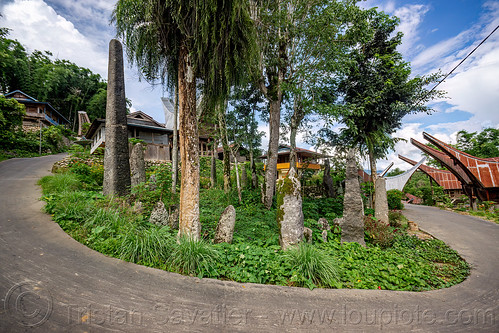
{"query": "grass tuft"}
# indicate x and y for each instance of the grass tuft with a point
(193, 257)
(313, 266)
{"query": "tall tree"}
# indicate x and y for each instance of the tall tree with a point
(273, 34)
(377, 91)
(242, 125)
(179, 42)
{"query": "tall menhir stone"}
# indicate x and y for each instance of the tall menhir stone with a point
(116, 165)
(381, 201)
(137, 164)
(289, 210)
(352, 228)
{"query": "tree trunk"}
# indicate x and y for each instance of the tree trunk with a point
(238, 183)
(189, 148)
(175, 144)
(225, 145)
(254, 177)
(296, 119)
(374, 175)
(271, 169)
(213, 171)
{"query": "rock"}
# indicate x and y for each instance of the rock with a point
(153, 182)
(137, 207)
(137, 165)
(338, 221)
(412, 226)
(324, 236)
(323, 224)
(381, 201)
(159, 215)
(116, 166)
(307, 233)
(352, 228)
(173, 218)
(225, 226)
(327, 180)
(289, 211)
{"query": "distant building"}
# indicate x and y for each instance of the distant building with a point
(306, 159)
(37, 113)
(140, 126)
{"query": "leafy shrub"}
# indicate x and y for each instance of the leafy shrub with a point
(377, 232)
(311, 266)
(193, 257)
(394, 198)
(396, 219)
(91, 175)
(328, 208)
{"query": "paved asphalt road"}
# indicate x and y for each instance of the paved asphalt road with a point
(51, 283)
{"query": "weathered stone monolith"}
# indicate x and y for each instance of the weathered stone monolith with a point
(289, 210)
(352, 228)
(324, 236)
(116, 165)
(137, 165)
(173, 218)
(381, 201)
(327, 180)
(159, 215)
(225, 226)
(323, 224)
(307, 234)
(153, 183)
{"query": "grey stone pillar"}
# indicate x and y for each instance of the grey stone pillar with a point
(289, 211)
(225, 226)
(116, 164)
(381, 201)
(352, 228)
(137, 164)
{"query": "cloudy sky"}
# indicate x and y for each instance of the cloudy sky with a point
(437, 35)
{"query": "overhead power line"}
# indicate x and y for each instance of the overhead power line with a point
(464, 59)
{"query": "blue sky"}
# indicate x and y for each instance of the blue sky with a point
(437, 35)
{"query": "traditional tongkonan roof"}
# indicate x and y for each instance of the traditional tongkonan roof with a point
(443, 178)
(484, 171)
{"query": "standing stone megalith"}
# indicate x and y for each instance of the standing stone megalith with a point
(289, 211)
(381, 201)
(159, 215)
(352, 228)
(225, 226)
(116, 166)
(137, 165)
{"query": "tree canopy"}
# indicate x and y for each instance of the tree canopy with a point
(376, 91)
(66, 86)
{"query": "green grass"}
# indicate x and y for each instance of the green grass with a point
(193, 257)
(111, 227)
(312, 266)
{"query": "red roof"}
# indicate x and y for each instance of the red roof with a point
(443, 178)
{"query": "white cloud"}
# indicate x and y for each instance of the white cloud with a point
(411, 17)
(37, 26)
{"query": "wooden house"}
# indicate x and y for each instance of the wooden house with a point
(306, 159)
(140, 126)
(37, 113)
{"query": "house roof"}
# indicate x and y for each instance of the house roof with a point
(32, 100)
(285, 150)
(136, 119)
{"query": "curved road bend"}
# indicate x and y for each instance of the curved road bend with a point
(51, 283)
